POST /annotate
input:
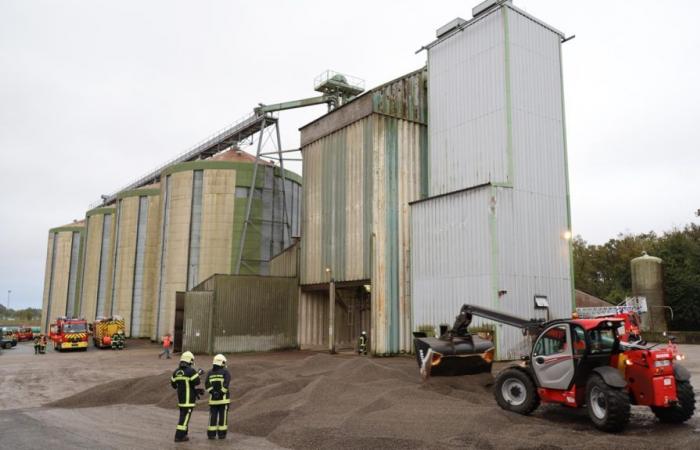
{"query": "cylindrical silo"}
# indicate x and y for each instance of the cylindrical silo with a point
(136, 258)
(647, 281)
(62, 273)
(95, 297)
(203, 207)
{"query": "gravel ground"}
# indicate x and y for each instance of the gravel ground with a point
(109, 399)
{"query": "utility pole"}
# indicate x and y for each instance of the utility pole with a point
(8, 299)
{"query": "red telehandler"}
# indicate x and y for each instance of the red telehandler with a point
(597, 363)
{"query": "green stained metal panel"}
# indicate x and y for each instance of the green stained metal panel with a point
(391, 257)
(138, 193)
(103, 211)
(403, 98)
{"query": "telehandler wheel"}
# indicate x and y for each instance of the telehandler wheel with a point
(681, 411)
(515, 391)
(608, 407)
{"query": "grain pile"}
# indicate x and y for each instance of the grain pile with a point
(322, 401)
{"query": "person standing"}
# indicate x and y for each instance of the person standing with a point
(217, 382)
(362, 343)
(37, 343)
(185, 379)
(167, 342)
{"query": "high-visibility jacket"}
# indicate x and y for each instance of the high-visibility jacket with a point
(184, 379)
(218, 379)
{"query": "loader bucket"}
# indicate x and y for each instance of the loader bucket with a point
(464, 355)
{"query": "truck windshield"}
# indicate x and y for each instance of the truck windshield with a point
(73, 327)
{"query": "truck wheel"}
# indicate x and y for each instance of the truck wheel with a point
(608, 407)
(681, 411)
(515, 391)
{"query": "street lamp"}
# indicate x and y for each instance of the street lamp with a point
(8, 299)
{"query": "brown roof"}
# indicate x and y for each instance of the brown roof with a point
(586, 300)
(236, 155)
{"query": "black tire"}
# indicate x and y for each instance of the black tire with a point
(681, 411)
(516, 391)
(608, 407)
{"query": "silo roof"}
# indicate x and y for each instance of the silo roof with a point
(235, 155)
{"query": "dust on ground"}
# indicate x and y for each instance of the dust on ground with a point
(314, 400)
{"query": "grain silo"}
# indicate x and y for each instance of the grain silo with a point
(95, 296)
(61, 278)
(648, 282)
(495, 230)
(137, 241)
(363, 164)
(203, 206)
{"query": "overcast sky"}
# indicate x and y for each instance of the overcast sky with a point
(95, 93)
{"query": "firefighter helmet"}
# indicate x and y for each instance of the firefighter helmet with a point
(220, 360)
(187, 357)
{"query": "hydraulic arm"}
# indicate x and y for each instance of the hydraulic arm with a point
(464, 319)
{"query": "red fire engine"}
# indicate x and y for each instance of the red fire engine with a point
(69, 334)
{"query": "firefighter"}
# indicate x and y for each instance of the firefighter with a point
(218, 379)
(184, 380)
(362, 344)
(37, 344)
(42, 344)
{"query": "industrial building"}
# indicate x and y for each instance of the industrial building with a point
(447, 185)
(61, 280)
(363, 164)
(203, 218)
(495, 230)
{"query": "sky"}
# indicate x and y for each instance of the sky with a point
(95, 93)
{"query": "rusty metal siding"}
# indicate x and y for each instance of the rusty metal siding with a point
(403, 98)
(313, 320)
(470, 245)
(336, 204)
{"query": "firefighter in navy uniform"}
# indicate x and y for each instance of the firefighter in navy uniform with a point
(185, 379)
(217, 381)
(362, 343)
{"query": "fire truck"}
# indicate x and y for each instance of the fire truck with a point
(69, 334)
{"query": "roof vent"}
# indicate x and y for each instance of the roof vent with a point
(449, 26)
(487, 5)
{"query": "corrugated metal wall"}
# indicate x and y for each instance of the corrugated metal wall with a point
(352, 316)
(359, 178)
(248, 313)
(285, 264)
(197, 321)
(497, 117)
(467, 107)
(468, 246)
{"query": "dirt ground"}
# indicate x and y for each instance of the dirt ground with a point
(113, 400)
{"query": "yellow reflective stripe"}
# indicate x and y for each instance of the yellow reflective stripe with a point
(180, 378)
(209, 389)
(187, 417)
(224, 390)
(211, 428)
(216, 377)
(225, 426)
(220, 402)
(181, 428)
(186, 405)
(194, 377)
